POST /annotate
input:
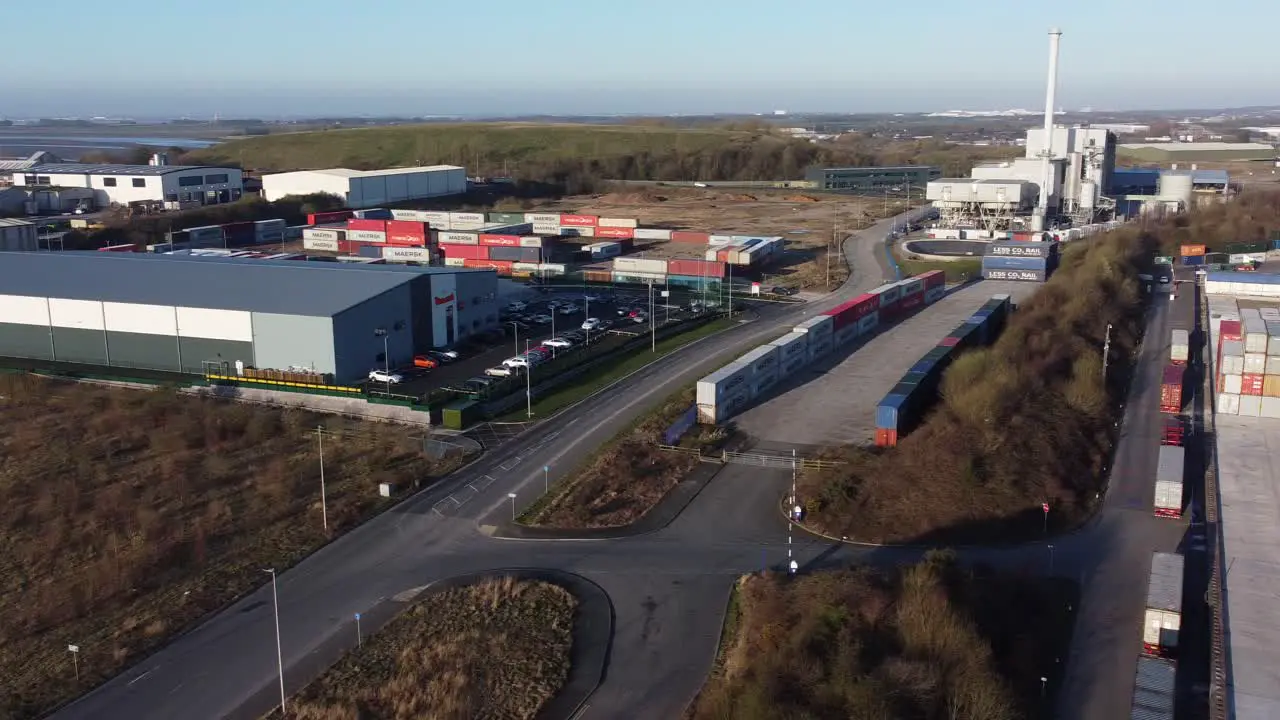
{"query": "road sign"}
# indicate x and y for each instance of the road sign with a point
(357, 616)
(546, 468)
(73, 648)
(1044, 507)
(1164, 260)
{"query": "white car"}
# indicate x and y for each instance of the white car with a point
(592, 324)
(499, 371)
(567, 309)
(557, 343)
(383, 376)
(516, 306)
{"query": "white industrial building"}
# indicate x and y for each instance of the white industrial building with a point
(123, 184)
(369, 188)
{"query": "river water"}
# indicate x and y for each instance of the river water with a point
(71, 147)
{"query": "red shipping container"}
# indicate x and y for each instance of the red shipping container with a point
(366, 224)
(406, 240)
(408, 226)
(723, 255)
(1171, 389)
(1230, 330)
(949, 342)
(934, 278)
(502, 266)
(886, 438)
(467, 252)
(1172, 432)
(690, 237)
(696, 268)
(324, 218)
(910, 302)
(500, 240)
(618, 233)
(1251, 384)
(578, 220)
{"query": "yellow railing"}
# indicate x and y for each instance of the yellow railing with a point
(286, 383)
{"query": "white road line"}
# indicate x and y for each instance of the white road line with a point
(131, 682)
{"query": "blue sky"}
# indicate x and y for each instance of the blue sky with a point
(290, 57)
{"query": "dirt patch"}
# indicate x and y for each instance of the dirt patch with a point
(132, 514)
(629, 476)
(498, 649)
(929, 641)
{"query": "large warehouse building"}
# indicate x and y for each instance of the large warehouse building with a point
(123, 184)
(369, 188)
(193, 315)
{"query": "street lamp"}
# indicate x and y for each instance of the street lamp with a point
(653, 333)
(528, 380)
(324, 506)
(516, 327)
(386, 355)
(275, 602)
(513, 506)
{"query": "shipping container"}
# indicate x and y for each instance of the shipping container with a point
(577, 231)
(1269, 407)
(634, 277)
(578, 220)
(651, 234)
(723, 393)
(700, 268)
(818, 325)
(320, 244)
(1163, 614)
(469, 252)
(1171, 389)
(1169, 478)
(1021, 275)
(552, 268)
(1252, 384)
(1171, 431)
(324, 218)
(614, 232)
(934, 279)
(367, 224)
(617, 222)
(1228, 404)
(1250, 405)
(1179, 346)
(993, 262)
(1230, 383)
(1193, 260)
(1255, 363)
(552, 229)
(689, 281)
(685, 236)
(499, 240)
(333, 234)
(1193, 250)
(1271, 385)
(455, 262)
(457, 238)
(466, 217)
(506, 217)
(1154, 689)
(639, 264)
(1044, 250)
(600, 251)
(406, 254)
(534, 241)
(597, 276)
(502, 266)
(1231, 329)
(510, 254)
(542, 218)
(793, 350)
(366, 236)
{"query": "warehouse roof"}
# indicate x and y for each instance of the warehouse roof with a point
(1210, 177)
(287, 287)
(346, 172)
(1194, 146)
(111, 169)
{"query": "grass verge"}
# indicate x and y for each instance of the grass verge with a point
(628, 476)
(956, 270)
(496, 649)
(134, 513)
(928, 641)
(1025, 421)
(594, 380)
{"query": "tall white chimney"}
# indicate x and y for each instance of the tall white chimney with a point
(1046, 152)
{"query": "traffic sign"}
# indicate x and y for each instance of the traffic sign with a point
(1044, 506)
(1164, 260)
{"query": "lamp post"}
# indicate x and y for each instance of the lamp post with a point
(386, 354)
(275, 604)
(528, 381)
(516, 327)
(513, 506)
(324, 506)
(653, 333)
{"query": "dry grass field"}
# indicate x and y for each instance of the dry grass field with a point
(807, 221)
(627, 477)
(925, 642)
(130, 514)
(498, 649)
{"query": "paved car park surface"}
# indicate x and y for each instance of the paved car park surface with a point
(832, 402)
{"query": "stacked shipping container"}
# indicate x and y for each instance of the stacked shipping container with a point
(1169, 474)
(1153, 689)
(1162, 617)
(1031, 261)
(723, 393)
(1247, 350)
(906, 403)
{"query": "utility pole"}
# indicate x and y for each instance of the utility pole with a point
(275, 603)
(324, 505)
(528, 381)
(653, 332)
(1106, 351)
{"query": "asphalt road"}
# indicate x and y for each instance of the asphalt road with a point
(669, 588)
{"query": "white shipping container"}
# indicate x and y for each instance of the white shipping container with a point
(640, 264)
(763, 361)
(407, 254)
(465, 217)
(1179, 347)
(617, 222)
(320, 244)
(710, 255)
(322, 234)
(553, 268)
(458, 238)
(526, 267)
(1269, 407)
(794, 349)
(1251, 405)
(720, 240)
(1232, 365)
(454, 262)
(532, 241)
(721, 383)
(1228, 404)
(1164, 601)
(578, 231)
(1273, 365)
(468, 226)
(1232, 348)
(552, 229)
(1232, 384)
(1168, 496)
(1255, 341)
(818, 325)
(605, 250)
(1273, 342)
(1255, 363)
(371, 236)
(542, 218)
(651, 234)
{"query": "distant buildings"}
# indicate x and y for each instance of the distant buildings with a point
(872, 179)
(123, 184)
(369, 188)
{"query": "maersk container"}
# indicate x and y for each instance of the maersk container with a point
(817, 325)
(1162, 618)
(603, 250)
(690, 281)
(651, 234)
(868, 323)
(794, 351)
(505, 217)
(723, 393)
(888, 294)
(911, 286)
(640, 264)
(845, 335)
(763, 360)
(458, 238)
(1154, 689)
(373, 214)
(820, 345)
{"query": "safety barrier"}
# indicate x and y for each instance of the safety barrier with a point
(1218, 679)
(767, 460)
(282, 384)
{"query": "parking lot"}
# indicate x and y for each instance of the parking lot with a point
(536, 322)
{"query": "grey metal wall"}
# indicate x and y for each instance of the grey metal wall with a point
(284, 341)
(478, 299)
(119, 349)
(26, 341)
(196, 352)
(357, 349)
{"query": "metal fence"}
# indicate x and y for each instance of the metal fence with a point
(764, 460)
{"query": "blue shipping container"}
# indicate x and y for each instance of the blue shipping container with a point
(1192, 259)
(924, 366)
(992, 262)
(891, 411)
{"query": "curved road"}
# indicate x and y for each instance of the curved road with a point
(669, 588)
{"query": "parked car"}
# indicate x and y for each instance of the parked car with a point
(499, 371)
(443, 356)
(783, 291)
(625, 310)
(568, 309)
(591, 324)
(592, 297)
(425, 361)
(574, 335)
(640, 317)
(478, 383)
(540, 319)
(558, 342)
(516, 306)
(383, 376)
(517, 361)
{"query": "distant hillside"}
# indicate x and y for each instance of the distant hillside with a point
(574, 156)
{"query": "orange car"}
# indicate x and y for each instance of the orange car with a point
(423, 361)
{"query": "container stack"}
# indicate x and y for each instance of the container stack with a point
(1162, 618)
(1248, 361)
(907, 402)
(1171, 389)
(1020, 260)
(1193, 255)
(1154, 689)
(1169, 475)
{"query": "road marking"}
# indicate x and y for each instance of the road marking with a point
(581, 711)
(131, 682)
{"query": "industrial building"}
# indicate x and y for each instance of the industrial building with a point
(197, 315)
(369, 188)
(17, 235)
(123, 184)
(1171, 153)
(871, 179)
